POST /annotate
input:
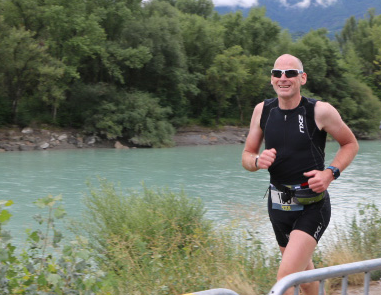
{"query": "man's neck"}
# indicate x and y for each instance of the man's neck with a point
(289, 103)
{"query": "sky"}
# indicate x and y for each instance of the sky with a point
(287, 3)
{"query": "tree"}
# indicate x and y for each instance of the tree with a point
(166, 74)
(323, 63)
(202, 41)
(118, 55)
(232, 75)
(26, 69)
(135, 116)
(361, 109)
(331, 78)
(234, 30)
(362, 35)
(260, 33)
(203, 8)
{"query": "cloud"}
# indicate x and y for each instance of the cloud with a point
(296, 3)
(326, 3)
(302, 4)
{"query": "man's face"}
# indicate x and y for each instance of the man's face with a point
(288, 87)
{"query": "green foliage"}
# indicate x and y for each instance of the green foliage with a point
(159, 242)
(37, 269)
(364, 233)
(261, 33)
(230, 77)
(5, 111)
(26, 69)
(339, 81)
(362, 110)
(173, 51)
(133, 115)
(202, 8)
(361, 240)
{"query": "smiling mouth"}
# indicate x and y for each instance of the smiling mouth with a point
(284, 86)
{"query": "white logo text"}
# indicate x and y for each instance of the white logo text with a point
(301, 126)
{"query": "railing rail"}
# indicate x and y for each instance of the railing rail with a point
(321, 274)
(214, 292)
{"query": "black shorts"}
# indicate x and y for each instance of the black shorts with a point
(313, 220)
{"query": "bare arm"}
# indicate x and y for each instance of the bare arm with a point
(328, 119)
(253, 145)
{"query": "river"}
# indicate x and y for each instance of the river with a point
(212, 173)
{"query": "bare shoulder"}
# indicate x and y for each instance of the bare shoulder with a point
(255, 136)
(326, 116)
(259, 107)
(257, 113)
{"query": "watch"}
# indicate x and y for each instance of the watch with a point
(335, 171)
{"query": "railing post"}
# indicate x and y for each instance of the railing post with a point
(366, 283)
(321, 287)
(344, 285)
(324, 273)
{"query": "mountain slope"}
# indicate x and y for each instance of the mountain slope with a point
(315, 16)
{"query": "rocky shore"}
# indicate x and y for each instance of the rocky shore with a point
(196, 135)
(28, 139)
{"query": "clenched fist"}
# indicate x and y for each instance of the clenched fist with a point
(266, 159)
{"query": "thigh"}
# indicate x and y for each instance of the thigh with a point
(315, 218)
(283, 223)
(298, 253)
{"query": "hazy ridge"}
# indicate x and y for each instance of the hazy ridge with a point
(302, 20)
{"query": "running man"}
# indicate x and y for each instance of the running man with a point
(294, 129)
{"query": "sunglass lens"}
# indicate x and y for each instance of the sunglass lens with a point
(277, 73)
(291, 73)
(288, 73)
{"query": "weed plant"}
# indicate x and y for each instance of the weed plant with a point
(360, 241)
(159, 242)
(44, 267)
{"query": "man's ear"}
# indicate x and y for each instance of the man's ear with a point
(304, 78)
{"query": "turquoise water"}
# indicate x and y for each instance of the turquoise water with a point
(212, 173)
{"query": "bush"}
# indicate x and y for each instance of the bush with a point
(159, 242)
(43, 267)
(136, 116)
(361, 241)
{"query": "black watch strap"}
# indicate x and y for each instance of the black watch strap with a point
(335, 171)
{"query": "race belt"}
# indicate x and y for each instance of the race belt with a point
(293, 197)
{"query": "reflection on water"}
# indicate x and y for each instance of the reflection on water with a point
(212, 173)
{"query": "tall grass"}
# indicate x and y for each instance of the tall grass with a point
(159, 242)
(361, 240)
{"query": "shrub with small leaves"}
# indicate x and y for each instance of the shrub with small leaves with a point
(43, 267)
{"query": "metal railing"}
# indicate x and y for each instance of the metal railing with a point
(214, 292)
(321, 274)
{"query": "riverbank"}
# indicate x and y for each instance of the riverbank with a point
(197, 135)
(28, 139)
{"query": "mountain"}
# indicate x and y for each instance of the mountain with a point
(301, 20)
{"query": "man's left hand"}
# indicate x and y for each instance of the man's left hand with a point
(319, 180)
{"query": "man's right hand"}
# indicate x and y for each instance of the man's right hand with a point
(266, 158)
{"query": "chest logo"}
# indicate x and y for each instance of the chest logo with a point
(301, 125)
